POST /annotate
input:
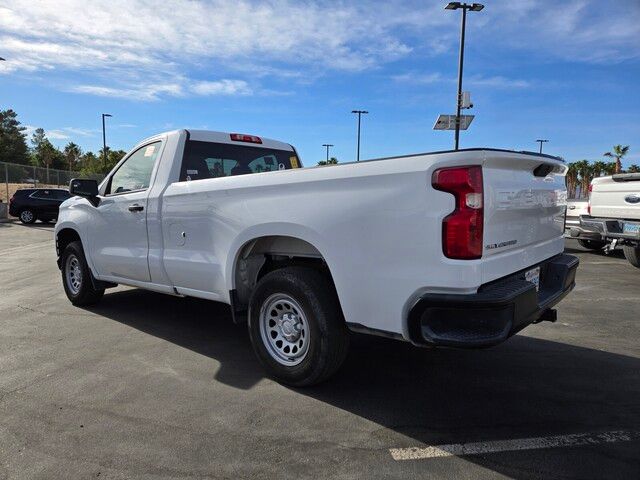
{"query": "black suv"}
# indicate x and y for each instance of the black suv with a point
(31, 204)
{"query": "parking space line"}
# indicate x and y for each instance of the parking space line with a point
(22, 248)
(476, 448)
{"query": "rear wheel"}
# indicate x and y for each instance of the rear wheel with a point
(76, 277)
(296, 326)
(632, 254)
(27, 216)
(592, 244)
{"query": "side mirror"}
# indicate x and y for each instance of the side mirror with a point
(83, 187)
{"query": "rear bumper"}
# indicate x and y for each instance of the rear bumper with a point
(609, 228)
(573, 229)
(497, 311)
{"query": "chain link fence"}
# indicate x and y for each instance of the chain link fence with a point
(14, 177)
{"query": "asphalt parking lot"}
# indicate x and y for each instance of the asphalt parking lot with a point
(151, 386)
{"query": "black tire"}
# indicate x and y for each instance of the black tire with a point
(83, 293)
(328, 336)
(592, 244)
(632, 254)
(27, 216)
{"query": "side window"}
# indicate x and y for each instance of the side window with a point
(42, 194)
(135, 172)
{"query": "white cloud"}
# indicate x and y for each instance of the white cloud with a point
(221, 87)
(499, 82)
(83, 132)
(142, 50)
(420, 78)
(57, 135)
(496, 82)
(141, 92)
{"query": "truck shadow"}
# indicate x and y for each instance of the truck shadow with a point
(524, 388)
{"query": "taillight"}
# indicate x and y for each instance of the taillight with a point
(241, 137)
(589, 199)
(462, 229)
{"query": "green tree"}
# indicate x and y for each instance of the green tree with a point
(90, 164)
(332, 161)
(585, 175)
(72, 154)
(599, 168)
(610, 168)
(633, 168)
(13, 146)
(572, 180)
(618, 153)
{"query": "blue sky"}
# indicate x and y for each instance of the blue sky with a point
(567, 71)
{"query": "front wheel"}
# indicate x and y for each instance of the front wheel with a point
(27, 216)
(296, 326)
(592, 244)
(632, 254)
(76, 277)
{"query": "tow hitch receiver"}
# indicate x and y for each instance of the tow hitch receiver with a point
(549, 315)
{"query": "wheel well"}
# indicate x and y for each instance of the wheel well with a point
(266, 254)
(64, 238)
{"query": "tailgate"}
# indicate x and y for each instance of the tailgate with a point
(576, 207)
(616, 197)
(525, 201)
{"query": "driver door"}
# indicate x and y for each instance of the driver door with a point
(120, 245)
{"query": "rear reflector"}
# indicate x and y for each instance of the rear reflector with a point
(241, 137)
(462, 229)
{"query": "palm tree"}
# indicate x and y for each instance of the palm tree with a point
(572, 180)
(599, 168)
(610, 168)
(585, 174)
(618, 153)
(72, 153)
(634, 168)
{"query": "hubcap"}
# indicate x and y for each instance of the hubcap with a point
(284, 329)
(26, 216)
(73, 274)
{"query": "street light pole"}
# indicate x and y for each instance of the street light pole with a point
(104, 142)
(474, 7)
(541, 141)
(328, 145)
(359, 112)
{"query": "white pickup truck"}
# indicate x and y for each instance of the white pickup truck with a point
(589, 239)
(458, 249)
(614, 212)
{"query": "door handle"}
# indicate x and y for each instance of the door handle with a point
(136, 207)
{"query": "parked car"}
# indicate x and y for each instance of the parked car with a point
(614, 212)
(589, 239)
(437, 249)
(31, 204)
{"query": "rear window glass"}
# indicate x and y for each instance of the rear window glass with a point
(211, 160)
(60, 194)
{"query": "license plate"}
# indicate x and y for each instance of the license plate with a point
(632, 228)
(533, 276)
